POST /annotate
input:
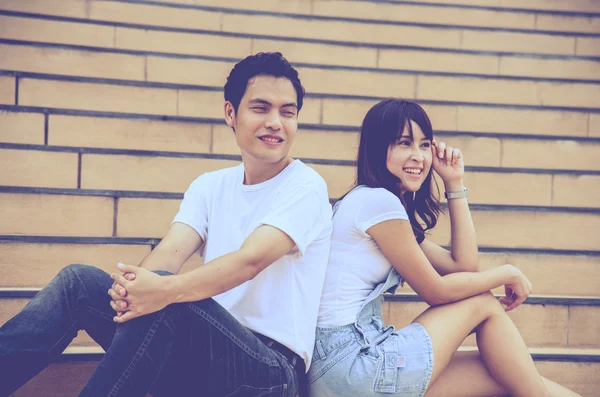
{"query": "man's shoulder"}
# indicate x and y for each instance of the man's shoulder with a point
(218, 176)
(305, 176)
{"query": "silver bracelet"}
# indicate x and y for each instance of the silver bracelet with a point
(455, 195)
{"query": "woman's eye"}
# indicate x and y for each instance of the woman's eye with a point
(426, 145)
(404, 143)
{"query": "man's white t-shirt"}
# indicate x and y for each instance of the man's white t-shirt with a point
(356, 264)
(282, 301)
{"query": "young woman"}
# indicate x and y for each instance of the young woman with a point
(379, 241)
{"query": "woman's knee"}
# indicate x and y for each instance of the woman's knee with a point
(484, 304)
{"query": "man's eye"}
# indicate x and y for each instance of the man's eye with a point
(259, 108)
(291, 114)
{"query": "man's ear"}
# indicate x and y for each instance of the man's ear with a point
(229, 115)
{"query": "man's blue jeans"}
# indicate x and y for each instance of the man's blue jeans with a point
(188, 349)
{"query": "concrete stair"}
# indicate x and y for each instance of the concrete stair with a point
(109, 109)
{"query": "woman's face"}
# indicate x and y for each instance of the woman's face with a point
(410, 159)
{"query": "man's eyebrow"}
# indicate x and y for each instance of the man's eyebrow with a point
(261, 101)
(265, 102)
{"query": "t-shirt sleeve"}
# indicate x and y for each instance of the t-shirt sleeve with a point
(300, 212)
(193, 210)
(378, 205)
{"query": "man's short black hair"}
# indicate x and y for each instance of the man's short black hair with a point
(261, 64)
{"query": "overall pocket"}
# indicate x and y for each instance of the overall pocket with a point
(396, 372)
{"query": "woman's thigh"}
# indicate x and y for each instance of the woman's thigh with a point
(465, 365)
(448, 325)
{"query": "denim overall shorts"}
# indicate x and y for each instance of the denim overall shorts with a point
(368, 358)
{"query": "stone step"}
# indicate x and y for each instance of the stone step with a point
(576, 369)
(584, 8)
(316, 80)
(566, 322)
(93, 213)
(446, 14)
(214, 137)
(102, 169)
(62, 58)
(19, 260)
(268, 24)
(117, 96)
(22, 256)
(572, 6)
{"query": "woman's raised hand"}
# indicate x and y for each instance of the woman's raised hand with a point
(516, 290)
(447, 162)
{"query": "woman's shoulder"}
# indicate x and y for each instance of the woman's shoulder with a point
(365, 203)
(373, 196)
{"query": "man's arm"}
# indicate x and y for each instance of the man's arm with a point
(263, 247)
(178, 245)
(149, 292)
(175, 248)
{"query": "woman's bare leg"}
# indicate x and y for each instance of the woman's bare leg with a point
(468, 365)
(465, 365)
(501, 347)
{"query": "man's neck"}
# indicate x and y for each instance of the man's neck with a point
(256, 172)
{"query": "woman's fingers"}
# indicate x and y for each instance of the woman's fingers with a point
(516, 302)
(456, 156)
(448, 155)
(441, 150)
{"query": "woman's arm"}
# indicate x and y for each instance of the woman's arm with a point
(396, 240)
(463, 255)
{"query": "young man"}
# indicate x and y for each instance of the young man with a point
(243, 323)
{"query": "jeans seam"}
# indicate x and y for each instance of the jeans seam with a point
(98, 313)
(73, 325)
(138, 355)
(231, 336)
(427, 338)
(330, 365)
(263, 390)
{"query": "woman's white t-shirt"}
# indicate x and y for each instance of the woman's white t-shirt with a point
(356, 264)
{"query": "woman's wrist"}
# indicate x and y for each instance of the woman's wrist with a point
(454, 186)
(511, 273)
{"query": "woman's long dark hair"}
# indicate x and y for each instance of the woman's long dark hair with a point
(383, 126)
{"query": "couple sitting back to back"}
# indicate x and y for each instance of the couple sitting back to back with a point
(278, 266)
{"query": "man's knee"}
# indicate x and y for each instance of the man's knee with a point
(76, 272)
(82, 277)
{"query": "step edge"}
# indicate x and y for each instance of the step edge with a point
(237, 157)
(196, 87)
(310, 126)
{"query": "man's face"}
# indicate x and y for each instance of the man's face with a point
(266, 121)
